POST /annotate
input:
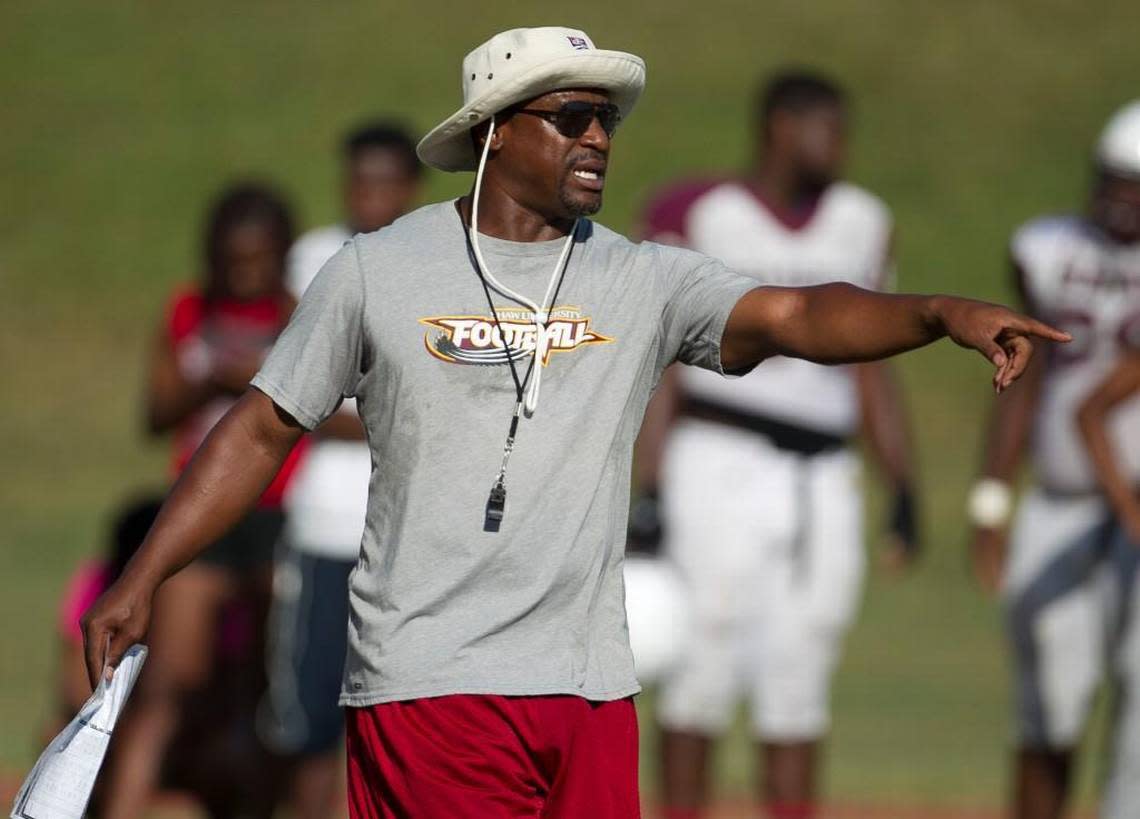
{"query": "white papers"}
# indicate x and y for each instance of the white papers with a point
(60, 784)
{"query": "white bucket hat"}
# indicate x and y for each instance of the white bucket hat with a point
(521, 64)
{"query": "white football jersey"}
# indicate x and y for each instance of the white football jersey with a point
(327, 499)
(845, 237)
(1078, 280)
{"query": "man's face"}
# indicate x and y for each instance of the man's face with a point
(555, 175)
(1116, 207)
(379, 188)
(813, 140)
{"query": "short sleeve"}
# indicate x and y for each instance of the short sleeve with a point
(318, 359)
(701, 293)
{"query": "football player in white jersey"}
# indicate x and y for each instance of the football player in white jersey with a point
(759, 489)
(1067, 582)
(326, 504)
(1118, 392)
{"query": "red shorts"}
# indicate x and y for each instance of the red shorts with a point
(493, 757)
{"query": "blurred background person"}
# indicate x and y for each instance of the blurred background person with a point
(1119, 391)
(201, 759)
(212, 339)
(90, 579)
(1062, 581)
(326, 505)
(759, 485)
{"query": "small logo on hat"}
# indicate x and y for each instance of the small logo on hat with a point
(579, 43)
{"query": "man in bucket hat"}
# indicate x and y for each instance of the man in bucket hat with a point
(488, 669)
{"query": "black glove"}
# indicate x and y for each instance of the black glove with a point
(645, 526)
(904, 522)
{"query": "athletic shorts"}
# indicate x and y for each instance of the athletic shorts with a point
(249, 544)
(770, 545)
(1068, 599)
(493, 757)
(308, 638)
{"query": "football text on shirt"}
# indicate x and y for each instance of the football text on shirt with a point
(478, 340)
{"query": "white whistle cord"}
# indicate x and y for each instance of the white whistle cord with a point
(541, 313)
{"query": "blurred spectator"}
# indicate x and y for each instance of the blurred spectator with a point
(1120, 389)
(1068, 583)
(760, 504)
(326, 505)
(89, 580)
(211, 341)
(212, 755)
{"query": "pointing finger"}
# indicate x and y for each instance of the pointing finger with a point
(1043, 330)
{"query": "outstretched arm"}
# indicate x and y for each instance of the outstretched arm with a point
(841, 323)
(234, 465)
(1120, 385)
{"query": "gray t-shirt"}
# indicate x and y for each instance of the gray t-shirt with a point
(399, 320)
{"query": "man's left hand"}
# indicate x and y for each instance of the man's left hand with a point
(999, 334)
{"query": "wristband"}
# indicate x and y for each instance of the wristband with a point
(904, 519)
(645, 525)
(990, 504)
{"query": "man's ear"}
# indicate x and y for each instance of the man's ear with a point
(479, 134)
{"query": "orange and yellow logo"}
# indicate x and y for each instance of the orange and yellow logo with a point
(477, 339)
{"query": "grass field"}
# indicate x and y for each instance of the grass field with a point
(121, 119)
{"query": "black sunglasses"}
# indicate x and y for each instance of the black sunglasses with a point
(575, 117)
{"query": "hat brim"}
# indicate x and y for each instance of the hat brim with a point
(448, 146)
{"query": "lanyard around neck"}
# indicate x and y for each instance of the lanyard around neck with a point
(525, 401)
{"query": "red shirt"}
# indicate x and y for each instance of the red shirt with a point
(202, 332)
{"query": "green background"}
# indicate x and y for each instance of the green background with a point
(121, 119)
